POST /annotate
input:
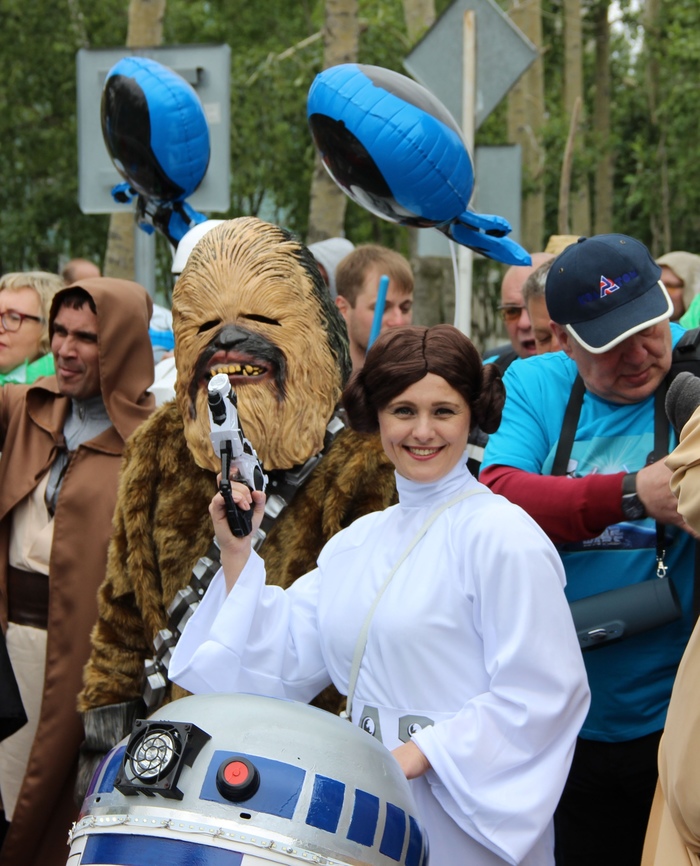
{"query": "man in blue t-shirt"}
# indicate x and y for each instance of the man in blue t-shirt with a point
(603, 497)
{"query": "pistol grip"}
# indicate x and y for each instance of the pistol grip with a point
(240, 522)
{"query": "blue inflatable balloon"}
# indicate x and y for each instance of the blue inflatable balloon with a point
(395, 149)
(157, 135)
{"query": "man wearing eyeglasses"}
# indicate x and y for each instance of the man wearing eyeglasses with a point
(514, 314)
(62, 440)
(581, 448)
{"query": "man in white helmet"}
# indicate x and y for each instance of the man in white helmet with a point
(161, 327)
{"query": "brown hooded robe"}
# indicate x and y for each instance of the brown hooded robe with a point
(31, 431)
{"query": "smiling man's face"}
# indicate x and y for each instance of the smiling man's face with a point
(629, 372)
(76, 352)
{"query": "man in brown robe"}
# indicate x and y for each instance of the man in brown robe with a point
(62, 440)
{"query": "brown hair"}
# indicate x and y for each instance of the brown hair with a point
(350, 273)
(400, 357)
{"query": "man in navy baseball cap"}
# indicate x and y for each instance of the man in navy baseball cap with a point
(581, 448)
(604, 289)
(610, 314)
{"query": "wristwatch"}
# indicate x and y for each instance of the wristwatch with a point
(632, 506)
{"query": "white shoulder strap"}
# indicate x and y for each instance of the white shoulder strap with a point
(362, 636)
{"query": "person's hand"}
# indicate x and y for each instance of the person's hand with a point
(411, 760)
(654, 491)
(235, 551)
(245, 499)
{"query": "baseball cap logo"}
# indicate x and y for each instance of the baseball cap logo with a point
(607, 287)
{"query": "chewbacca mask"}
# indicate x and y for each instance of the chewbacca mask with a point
(251, 303)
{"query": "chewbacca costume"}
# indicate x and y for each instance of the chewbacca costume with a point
(163, 527)
(251, 303)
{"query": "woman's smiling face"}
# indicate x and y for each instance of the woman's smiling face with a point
(424, 430)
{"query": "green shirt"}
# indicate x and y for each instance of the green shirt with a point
(28, 372)
(691, 317)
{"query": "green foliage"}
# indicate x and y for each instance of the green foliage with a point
(40, 218)
(272, 155)
(634, 139)
(271, 150)
(274, 59)
(676, 50)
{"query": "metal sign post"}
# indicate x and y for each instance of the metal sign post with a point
(470, 81)
(207, 69)
(465, 257)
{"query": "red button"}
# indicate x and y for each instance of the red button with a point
(237, 779)
(236, 773)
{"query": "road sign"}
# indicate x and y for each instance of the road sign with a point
(497, 170)
(207, 68)
(503, 54)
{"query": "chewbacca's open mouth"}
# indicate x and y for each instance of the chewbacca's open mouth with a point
(241, 369)
(245, 357)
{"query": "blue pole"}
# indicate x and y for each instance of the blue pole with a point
(379, 309)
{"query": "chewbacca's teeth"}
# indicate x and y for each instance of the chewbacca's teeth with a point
(237, 370)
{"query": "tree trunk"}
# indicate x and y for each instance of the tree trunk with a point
(525, 125)
(661, 214)
(419, 15)
(605, 169)
(434, 289)
(580, 218)
(328, 202)
(563, 224)
(145, 29)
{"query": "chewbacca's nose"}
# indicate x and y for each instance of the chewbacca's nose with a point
(230, 336)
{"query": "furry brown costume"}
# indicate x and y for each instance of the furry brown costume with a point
(277, 335)
(250, 301)
(163, 527)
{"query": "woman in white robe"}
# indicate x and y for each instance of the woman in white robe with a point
(471, 672)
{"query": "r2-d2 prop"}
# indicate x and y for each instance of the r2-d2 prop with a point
(241, 780)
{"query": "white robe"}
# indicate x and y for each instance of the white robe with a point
(473, 632)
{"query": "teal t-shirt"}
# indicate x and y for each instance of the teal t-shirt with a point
(631, 680)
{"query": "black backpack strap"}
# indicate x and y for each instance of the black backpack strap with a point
(686, 355)
(568, 427)
(686, 358)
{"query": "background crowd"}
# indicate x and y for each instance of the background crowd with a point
(594, 344)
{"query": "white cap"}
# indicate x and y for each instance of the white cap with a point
(188, 243)
(330, 253)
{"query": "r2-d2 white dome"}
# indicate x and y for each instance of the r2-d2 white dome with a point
(241, 780)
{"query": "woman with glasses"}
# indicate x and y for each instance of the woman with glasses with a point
(25, 299)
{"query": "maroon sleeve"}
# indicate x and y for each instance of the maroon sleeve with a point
(568, 509)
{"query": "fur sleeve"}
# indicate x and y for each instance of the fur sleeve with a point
(354, 478)
(161, 528)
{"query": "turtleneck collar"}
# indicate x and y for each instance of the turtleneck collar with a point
(414, 494)
(93, 407)
(87, 419)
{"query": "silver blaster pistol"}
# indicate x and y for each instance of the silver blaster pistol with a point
(234, 450)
